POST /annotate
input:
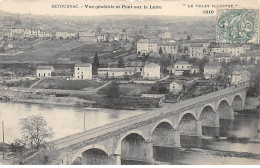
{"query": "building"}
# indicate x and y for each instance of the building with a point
(196, 51)
(211, 70)
(168, 48)
(166, 35)
(252, 57)
(65, 34)
(83, 71)
(234, 49)
(145, 46)
(180, 67)
(186, 43)
(103, 37)
(176, 86)
(152, 71)
(194, 70)
(44, 71)
(138, 67)
(239, 76)
(115, 72)
(220, 57)
(124, 36)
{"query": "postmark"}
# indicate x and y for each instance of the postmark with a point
(238, 26)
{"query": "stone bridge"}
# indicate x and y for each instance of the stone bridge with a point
(133, 138)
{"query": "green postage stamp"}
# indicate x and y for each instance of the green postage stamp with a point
(238, 26)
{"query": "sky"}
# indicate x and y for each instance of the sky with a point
(167, 7)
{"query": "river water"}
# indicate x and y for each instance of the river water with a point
(68, 120)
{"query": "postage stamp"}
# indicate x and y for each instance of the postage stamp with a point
(238, 25)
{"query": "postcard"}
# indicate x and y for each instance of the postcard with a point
(129, 82)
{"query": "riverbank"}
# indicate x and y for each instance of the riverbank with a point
(252, 102)
(21, 96)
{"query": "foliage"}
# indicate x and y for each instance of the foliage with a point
(160, 50)
(112, 91)
(185, 49)
(186, 73)
(254, 89)
(164, 63)
(35, 131)
(202, 63)
(95, 64)
(18, 146)
(158, 88)
(120, 63)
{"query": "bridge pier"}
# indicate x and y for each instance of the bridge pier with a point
(199, 128)
(138, 151)
(88, 159)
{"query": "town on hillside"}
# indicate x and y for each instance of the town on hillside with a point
(88, 75)
(52, 56)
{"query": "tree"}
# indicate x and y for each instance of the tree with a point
(164, 63)
(160, 50)
(185, 49)
(112, 90)
(193, 60)
(121, 63)
(18, 146)
(95, 64)
(158, 88)
(35, 131)
(252, 60)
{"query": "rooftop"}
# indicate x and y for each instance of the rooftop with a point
(212, 65)
(222, 54)
(182, 62)
(45, 67)
(82, 65)
(251, 53)
(178, 82)
(116, 69)
(134, 64)
(148, 40)
(196, 45)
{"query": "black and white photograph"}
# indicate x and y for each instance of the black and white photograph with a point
(129, 82)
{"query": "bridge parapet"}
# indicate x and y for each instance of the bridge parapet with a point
(109, 130)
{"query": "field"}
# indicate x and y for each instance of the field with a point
(50, 50)
(60, 83)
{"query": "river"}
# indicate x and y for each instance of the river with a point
(68, 120)
(64, 120)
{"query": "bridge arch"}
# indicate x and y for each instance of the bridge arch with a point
(96, 148)
(135, 147)
(225, 110)
(188, 124)
(123, 136)
(209, 117)
(237, 102)
(163, 134)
